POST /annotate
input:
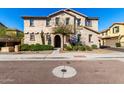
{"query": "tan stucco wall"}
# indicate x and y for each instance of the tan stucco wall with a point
(40, 25)
(94, 25)
(85, 37)
(94, 22)
(122, 41)
(78, 16)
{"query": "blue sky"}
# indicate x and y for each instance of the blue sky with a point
(11, 17)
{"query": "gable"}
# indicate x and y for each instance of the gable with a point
(115, 24)
(75, 12)
(61, 12)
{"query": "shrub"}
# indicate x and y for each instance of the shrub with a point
(82, 48)
(65, 45)
(35, 47)
(88, 48)
(47, 47)
(25, 47)
(75, 47)
(118, 44)
(69, 48)
(94, 46)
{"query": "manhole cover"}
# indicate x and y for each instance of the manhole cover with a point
(64, 72)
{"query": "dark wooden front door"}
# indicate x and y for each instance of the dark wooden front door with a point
(57, 41)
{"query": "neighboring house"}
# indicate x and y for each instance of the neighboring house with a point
(2, 26)
(114, 34)
(9, 37)
(86, 26)
(14, 33)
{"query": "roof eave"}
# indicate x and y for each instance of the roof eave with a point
(91, 30)
(34, 17)
(93, 18)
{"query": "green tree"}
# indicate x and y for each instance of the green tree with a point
(63, 29)
(20, 35)
(2, 32)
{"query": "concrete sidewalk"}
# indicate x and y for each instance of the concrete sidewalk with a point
(62, 56)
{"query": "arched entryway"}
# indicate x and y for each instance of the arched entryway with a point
(57, 41)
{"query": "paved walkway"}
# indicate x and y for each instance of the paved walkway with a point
(56, 51)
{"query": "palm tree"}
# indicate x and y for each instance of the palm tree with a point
(63, 29)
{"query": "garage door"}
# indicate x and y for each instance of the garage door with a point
(111, 42)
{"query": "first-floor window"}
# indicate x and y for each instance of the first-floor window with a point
(32, 37)
(90, 37)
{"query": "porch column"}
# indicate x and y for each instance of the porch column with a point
(61, 41)
(64, 40)
(52, 40)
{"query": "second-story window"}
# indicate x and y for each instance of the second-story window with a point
(67, 21)
(116, 29)
(31, 22)
(88, 23)
(78, 22)
(48, 22)
(57, 20)
(32, 37)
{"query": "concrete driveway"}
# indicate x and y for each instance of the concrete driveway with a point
(117, 49)
(88, 72)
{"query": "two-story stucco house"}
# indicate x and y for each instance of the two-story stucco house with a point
(37, 27)
(114, 34)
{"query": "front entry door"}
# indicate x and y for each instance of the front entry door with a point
(57, 41)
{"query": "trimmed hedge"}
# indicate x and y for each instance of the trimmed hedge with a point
(35, 47)
(24, 47)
